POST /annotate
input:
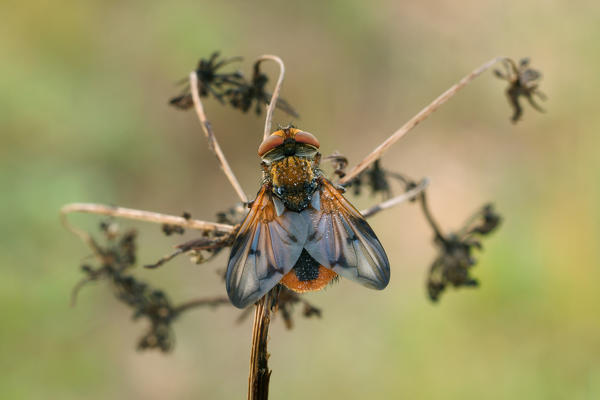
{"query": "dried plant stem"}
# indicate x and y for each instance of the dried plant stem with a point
(77, 288)
(128, 213)
(414, 121)
(425, 207)
(409, 195)
(260, 375)
(275, 95)
(83, 235)
(204, 302)
(212, 140)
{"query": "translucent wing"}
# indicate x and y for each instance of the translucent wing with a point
(342, 240)
(266, 247)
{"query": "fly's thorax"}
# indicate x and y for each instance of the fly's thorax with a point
(291, 171)
(293, 180)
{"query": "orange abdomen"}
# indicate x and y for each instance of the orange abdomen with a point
(307, 275)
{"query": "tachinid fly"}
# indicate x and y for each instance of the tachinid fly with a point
(300, 231)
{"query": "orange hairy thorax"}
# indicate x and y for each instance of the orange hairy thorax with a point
(291, 171)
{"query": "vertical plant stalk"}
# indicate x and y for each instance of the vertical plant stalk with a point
(260, 375)
(414, 121)
(212, 140)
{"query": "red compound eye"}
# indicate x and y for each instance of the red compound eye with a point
(270, 143)
(306, 138)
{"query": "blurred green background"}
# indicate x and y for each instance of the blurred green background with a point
(83, 117)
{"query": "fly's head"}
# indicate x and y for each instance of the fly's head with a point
(290, 160)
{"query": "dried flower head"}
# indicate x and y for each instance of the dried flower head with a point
(210, 81)
(454, 261)
(244, 96)
(117, 256)
(339, 163)
(230, 87)
(523, 82)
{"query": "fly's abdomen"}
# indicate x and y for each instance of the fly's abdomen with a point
(307, 275)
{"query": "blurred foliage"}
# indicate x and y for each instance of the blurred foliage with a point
(83, 118)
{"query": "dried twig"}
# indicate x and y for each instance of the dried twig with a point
(409, 195)
(287, 299)
(83, 235)
(275, 95)
(414, 121)
(148, 216)
(212, 140)
(208, 302)
(437, 231)
(77, 288)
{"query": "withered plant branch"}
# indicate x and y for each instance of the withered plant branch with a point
(286, 301)
(275, 95)
(83, 235)
(213, 302)
(75, 291)
(436, 229)
(260, 375)
(204, 243)
(408, 195)
(165, 259)
(212, 140)
(140, 215)
(421, 116)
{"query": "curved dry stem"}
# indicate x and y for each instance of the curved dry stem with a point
(77, 288)
(212, 140)
(83, 235)
(140, 215)
(414, 121)
(275, 95)
(409, 195)
(429, 217)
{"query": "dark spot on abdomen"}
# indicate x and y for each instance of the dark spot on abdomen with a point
(306, 268)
